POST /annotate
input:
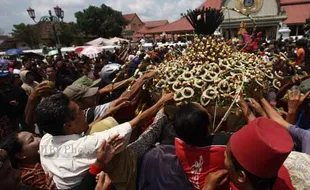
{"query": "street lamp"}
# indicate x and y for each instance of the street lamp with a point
(31, 13)
(62, 15)
(52, 19)
(57, 10)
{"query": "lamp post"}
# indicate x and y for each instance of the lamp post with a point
(53, 20)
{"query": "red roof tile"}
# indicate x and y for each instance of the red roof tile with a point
(137, 35)
(217, 4)
(155, 23)
(151, 25)
(290, 2)
(296, 14)
(129, 17)
(143, 29)
(181, 25)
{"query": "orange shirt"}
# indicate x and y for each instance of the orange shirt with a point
(300, 56)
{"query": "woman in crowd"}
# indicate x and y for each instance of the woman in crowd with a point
(29, 83)
(23, 152)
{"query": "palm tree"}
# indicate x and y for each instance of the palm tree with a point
(25, 33)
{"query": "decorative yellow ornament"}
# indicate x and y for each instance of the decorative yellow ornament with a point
(249, 6)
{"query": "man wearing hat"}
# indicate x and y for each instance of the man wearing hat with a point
(83, 95)
(86, 98)
(87, 81)
(84, 80)
(254, 158)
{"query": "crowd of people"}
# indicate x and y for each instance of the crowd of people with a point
(66, 123)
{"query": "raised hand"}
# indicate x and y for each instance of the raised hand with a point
(118, 104)
(107, 150)
(247, 112)
(295, 99)
(258, 94)
(43, 89)
(166, 97)
(257, 107)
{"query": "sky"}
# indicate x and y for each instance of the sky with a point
(14, 11)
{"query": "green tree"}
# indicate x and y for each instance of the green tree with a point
(27, 34)
(101, 21)
(68, 33)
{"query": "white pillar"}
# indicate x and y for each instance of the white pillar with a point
(277, 35)
(284, 31)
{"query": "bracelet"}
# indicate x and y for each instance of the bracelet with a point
(95, 169)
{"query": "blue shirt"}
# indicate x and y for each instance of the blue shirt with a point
(301, 138)
(302, 121)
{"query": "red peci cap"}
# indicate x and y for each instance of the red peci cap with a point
(261, 147)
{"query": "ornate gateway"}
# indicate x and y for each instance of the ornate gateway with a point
(249, 6)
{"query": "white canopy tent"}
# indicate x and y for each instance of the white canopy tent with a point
(99, 42)
(117, 40)
(106, 42)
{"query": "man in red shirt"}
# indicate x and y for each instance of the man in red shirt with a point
(196, 153)
(199, 152)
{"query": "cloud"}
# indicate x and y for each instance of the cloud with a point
(14, 11)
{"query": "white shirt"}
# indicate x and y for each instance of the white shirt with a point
(297, 164)
(142, 41)
(69, 157)
(98, 111)
(16, 71)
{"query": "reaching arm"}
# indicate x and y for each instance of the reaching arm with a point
(291, 116)
(247, 113)
(147, 114)
(134, 90)
(113, 108)
(273, 114)
(136, 87)
(43, 89)
(31, 106)
(111, 87)
(149, 137)
(257, 107)
(295, 99)
(125, 55)
(289, 85)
